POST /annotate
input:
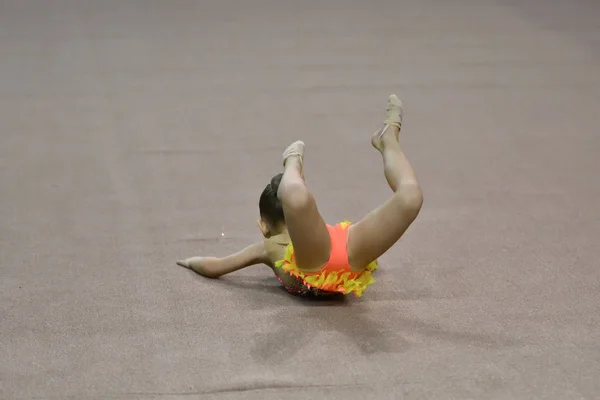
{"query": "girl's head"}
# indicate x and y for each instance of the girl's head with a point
(272, 219)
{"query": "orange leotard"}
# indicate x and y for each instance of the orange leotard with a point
(336, 275)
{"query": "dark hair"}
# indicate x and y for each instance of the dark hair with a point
(269, 205)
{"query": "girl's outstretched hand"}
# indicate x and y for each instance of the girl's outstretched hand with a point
(183, 263)
(205, 266)
(214, 267)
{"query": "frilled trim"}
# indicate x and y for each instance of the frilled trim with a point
(345, 282)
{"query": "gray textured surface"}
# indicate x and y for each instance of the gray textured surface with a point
(135, 132)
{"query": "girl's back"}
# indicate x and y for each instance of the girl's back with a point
(275, 247)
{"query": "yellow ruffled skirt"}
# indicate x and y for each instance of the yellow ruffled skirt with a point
(344, 282)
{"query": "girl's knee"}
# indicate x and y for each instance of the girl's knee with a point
(295, 195)
(410, 198)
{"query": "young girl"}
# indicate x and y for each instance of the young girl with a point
(309, 256)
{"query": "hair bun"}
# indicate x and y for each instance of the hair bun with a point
(275, 181)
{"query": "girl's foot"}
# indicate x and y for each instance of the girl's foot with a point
(295, 150)
(393, 123)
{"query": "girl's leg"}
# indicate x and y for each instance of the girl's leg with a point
(307, 229)
(382, 228)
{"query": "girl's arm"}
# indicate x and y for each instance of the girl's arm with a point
(214, 267)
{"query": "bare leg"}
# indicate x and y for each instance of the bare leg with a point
(306, 227)
(379, 230)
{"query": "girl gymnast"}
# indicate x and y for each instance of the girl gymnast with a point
(310, 257)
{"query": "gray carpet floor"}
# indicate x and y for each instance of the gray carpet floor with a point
(134, 133)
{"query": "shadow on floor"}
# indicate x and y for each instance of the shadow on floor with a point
(298, 321)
